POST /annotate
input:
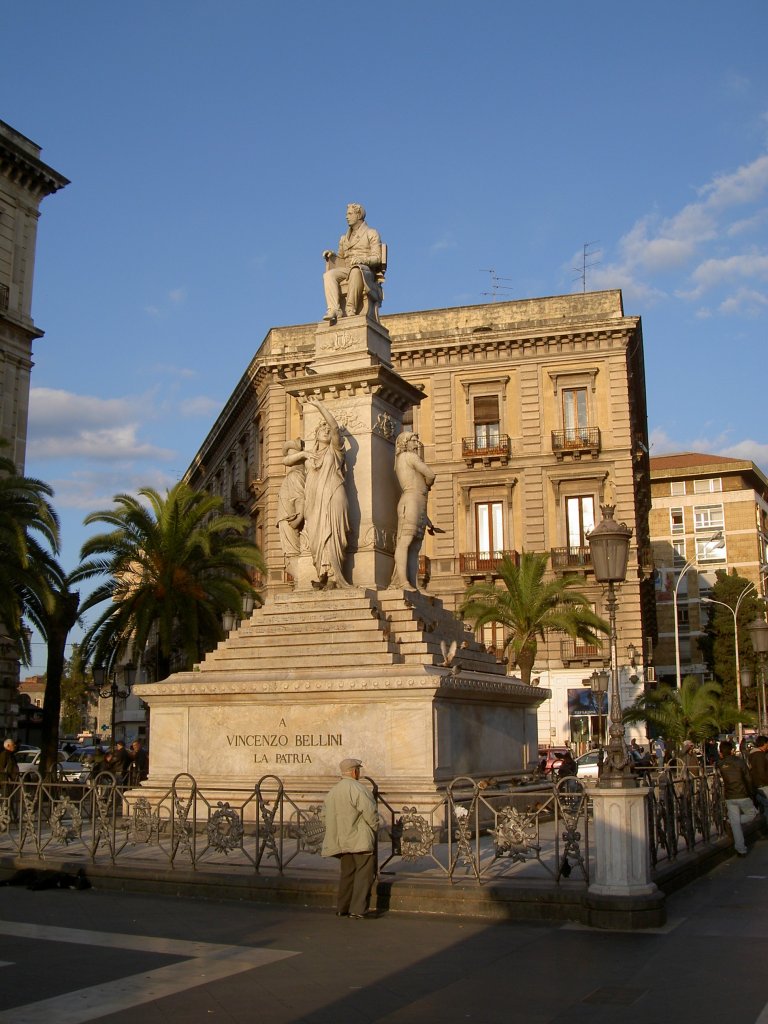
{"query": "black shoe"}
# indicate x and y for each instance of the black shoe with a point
(342, 913)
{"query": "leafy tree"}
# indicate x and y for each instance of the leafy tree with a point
(529, 607)
(717, 642)
(694, 712)
(29, 535)
(173, 566)
(74, 692)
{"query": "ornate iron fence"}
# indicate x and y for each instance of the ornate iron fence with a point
(472, 831)
(684, 808)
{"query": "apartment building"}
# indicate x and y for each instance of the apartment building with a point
(708, 512)
(533, 416)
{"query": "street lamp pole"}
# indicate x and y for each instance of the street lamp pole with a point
(750, 587)
(107, 686)
(683, 571)
(609, 548)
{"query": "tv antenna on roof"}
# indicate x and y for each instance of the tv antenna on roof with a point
(587, 262)
(496, 287)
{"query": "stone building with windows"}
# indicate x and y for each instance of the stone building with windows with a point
(533, 416)
(24, 182)
(708, 512)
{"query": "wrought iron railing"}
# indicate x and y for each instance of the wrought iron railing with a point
(486, 447)
(479, 563)
(576, 439)
(685, 808)
(515, 831)
(575, 650)
(571, 558)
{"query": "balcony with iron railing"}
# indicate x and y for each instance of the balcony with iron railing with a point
(573, 559)
(484, 563)
(486, 449)
(576, 441)
(577, 652)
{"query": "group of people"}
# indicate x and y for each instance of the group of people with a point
(745, 786)
(129, 765)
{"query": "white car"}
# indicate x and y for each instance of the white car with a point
(69, 771)
(588, 765)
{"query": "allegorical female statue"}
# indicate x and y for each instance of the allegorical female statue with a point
(326, 508)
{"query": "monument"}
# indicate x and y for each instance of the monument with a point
(356, 660)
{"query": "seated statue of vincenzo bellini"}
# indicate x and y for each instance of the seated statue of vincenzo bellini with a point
(355, 266)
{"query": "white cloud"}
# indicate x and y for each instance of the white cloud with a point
(91, 489)
(65, 425)
(177, 295)
(442, 245)
(755, 451)
(742, 186)
(746, 302)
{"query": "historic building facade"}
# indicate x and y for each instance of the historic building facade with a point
(708, 512)
(24, 182)
(533, 416)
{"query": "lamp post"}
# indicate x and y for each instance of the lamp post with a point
(106, 685)
(758, 634)
(609, 548)
(683, 571)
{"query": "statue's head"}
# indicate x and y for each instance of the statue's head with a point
(355, 213)
(322, 433)
(403, 442)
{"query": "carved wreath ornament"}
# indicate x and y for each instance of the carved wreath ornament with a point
(225, 829)
(416, 834)
(515, 834)
(66, 821)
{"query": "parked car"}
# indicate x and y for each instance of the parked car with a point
(69, 771)
(550, 758)
(588, 765)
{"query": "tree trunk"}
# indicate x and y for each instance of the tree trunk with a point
(525, 659)
(60, 620)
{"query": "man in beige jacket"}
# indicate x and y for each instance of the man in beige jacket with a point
(351, 822)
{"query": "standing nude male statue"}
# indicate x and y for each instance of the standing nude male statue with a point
(415, 479)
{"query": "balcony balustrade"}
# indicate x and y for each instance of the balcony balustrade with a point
(484, 563)
(571, 559)
(576, 441)
(485, 450)
(575, 651)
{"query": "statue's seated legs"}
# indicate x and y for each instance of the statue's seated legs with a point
(346, 293)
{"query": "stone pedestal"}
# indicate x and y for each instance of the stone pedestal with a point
(622, 855)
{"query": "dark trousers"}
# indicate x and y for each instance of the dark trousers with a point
(355, 882)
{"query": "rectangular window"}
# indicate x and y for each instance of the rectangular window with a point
(707, 486)
(683, 618)
(487, 421)
(676, 521)
(711, 549)
(678, 552)
(677, 487)
(708, 517)
(579, 519)
(575, 415)
(489, 522)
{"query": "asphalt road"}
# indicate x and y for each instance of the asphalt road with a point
(68, 956)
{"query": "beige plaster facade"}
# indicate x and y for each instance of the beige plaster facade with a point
(532, 414)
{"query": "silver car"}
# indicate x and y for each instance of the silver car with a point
(69, 771)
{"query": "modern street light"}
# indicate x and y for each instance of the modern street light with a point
(688, 565)
(758, 634)
(609, 548)
(106, 685)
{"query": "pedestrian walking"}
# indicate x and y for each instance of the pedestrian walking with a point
(139, 767)
(660, 751)
(351, 823)
(758, 770)
(737, 789)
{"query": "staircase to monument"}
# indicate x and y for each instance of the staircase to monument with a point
(346, 631)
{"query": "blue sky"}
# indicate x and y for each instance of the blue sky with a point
(213, 146)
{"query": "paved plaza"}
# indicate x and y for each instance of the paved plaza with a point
(69, 956)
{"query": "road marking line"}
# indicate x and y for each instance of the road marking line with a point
(206, 962)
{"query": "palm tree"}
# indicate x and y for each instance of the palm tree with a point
(529, 607)
(29, 533)
(694, 712)
(174, 565)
